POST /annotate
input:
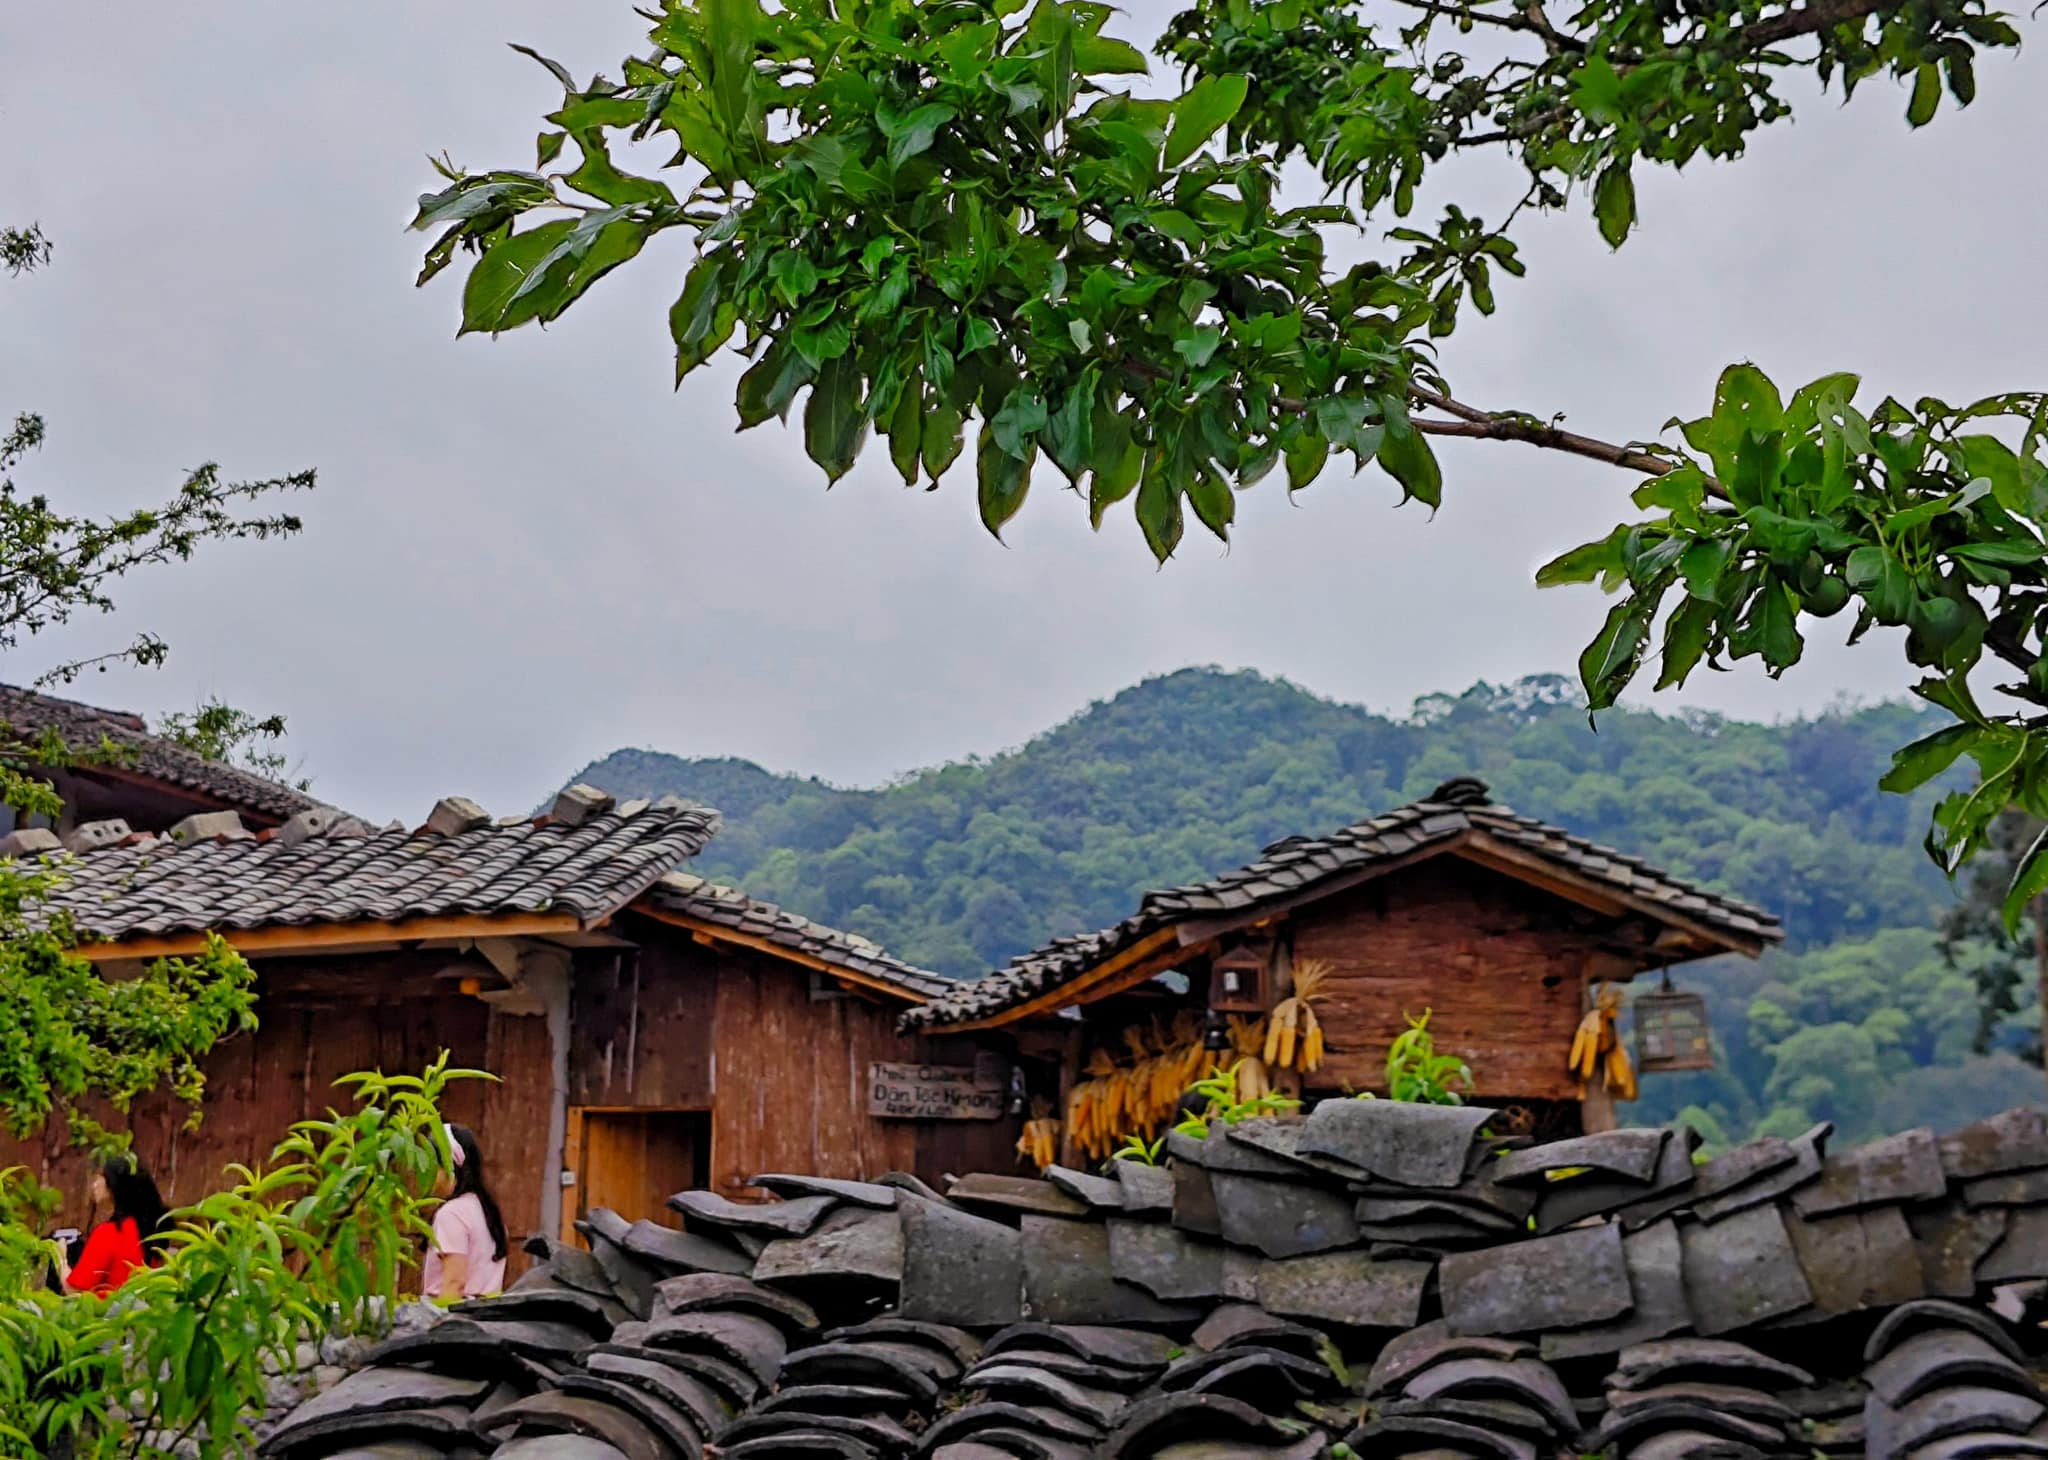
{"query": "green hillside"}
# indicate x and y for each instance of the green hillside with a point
(959, 867)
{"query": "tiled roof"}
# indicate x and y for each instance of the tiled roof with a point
(25, 713)
(1373, 1275)
(1286, 870)
(727, 907)
(590, 870)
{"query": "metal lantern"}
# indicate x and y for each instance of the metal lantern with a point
(1237, 981)
(1672, 1031)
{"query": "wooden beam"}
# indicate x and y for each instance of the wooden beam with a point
(712, 935)
(337, 937)
(1486, 851)
(1150, 955)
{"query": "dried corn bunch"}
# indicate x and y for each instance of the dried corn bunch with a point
(1040, 1143)
(1597, 1050)
(1094, 1107)
(1248, 1039)
(1294, 1036)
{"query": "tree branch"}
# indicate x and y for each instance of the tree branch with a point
(1476, 424)
(1807, 20)
(1532, 22)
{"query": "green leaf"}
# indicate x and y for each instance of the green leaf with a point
(943, 439)
(1214, 503)
(1096, 55)
(1614, 203)
(794, 275)
(1307, 454)
(1777, 617)
(1913, 766)
(906, 431)
(1686, 636)
(913, 133)
(1001, 481)
(1070, 434)
(503, 271)
(547, 147)
(1744, 397)
(555, 68)
(1926, 95)
(978, 335)
(1607, 663)
(1198, 345)
(2029, 881)
(701, 320)
(1208, 105)
(1586, 562)
(732, 26)
(1159, 515)
(1022, 416)
(1701, 565)
(1113, 479)
(1883, 583)
(834, 423)
(1409, 461)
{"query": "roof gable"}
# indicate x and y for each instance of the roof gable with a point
(1456, 819)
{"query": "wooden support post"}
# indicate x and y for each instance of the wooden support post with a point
(1070, 1074)
(1285, 1082)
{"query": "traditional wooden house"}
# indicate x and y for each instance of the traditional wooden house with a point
(1501, 926)
(649, 1030)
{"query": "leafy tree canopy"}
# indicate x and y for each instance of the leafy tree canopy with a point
(914, 214)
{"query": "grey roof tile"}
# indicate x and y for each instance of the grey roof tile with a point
(589, 871)
(26, 714)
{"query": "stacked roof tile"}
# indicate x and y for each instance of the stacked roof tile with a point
(26, 714)
(716, 905)
(1372, 1280)
(1455, 812)
(589, 869)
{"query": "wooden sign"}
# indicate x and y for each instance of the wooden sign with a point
(931, 1092)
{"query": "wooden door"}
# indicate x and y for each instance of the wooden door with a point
(633, 1160)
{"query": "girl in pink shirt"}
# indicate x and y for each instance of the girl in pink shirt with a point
(467, 1256)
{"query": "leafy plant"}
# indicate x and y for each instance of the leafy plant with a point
(222, 733)
(1417, 1074)
(314, 1244)
(1221, 1104)
(1137, 1148)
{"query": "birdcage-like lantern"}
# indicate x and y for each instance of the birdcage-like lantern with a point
(1672, 1031)
(1239, 979)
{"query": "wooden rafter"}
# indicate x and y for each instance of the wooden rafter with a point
(337, 937)
(1150, 955)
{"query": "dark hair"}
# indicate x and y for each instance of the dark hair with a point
(135, 1196)
(469, 1181)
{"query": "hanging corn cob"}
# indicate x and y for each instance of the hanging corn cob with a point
(1292, 1030)
(1040, 1143)
(1597, 1050)
(1247, 1037)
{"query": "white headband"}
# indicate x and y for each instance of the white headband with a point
(454, 1146)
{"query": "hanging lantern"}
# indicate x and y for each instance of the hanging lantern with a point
(1672, 1031)
(1237, 980)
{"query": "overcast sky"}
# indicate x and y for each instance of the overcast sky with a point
(526, 552)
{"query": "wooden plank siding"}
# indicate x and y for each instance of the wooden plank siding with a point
(1496, 961)
(672, 1025)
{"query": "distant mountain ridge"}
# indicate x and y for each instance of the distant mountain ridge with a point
(963, 865)
(1860, 1019)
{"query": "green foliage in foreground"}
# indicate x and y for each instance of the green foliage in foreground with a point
(316, 1242)
(962, 866)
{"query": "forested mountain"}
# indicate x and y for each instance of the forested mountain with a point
(1859, 1020)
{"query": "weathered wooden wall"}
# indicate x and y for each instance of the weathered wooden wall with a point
(320, 1020)
(1493, 958)
(784, 1075)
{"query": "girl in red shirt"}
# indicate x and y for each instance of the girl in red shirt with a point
(116, 1247)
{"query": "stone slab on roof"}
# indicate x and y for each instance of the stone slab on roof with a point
(1102, 1335)
(1456, 812)
(691, 896)
(26, 714)
(589, 871)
